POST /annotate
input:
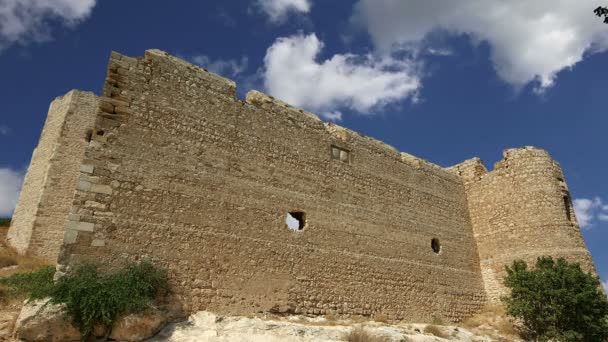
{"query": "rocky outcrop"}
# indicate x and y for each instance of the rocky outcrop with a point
(42, 321)
(208, 327)
(137, 327)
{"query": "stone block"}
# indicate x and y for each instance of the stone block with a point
(101, 189)
(87, 168)
(81, 226)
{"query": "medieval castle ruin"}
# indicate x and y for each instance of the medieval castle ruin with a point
(169, 165)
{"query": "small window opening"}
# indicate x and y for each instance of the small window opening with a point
(436, 246)
(296, 220)
(100, 133)
(567, 207)
(340, 154)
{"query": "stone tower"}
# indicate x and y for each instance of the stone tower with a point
(50, 182)
(520, 210)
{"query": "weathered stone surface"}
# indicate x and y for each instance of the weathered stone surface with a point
(520, 210)
(137, 327)
(37, 227)
(185, 174)
(40, 321)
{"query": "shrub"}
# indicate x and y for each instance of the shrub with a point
(436, 331)
(5, 222)
(359, 334)
(94, 298)
(380, 317)
(557, 301)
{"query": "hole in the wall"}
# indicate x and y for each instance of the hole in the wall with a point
(435, 245)
(296, 220)
(100, 133)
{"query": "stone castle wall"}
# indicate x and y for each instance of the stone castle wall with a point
(48, 189)
(183, 173)
(179, 171)
(520, 210)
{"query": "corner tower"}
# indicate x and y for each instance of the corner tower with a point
(37, 226)
(520, 210)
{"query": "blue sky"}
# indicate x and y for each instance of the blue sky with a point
(439, 81)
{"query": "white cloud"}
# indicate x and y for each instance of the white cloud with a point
(530, 41)
(357, 82)
(28, 20)
(226, 68)
(10, 186)
(277, 10)
(589, 210)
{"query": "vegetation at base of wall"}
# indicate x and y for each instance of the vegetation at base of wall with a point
(435, 330)
(556, 301)
(5, 222)
(359, 334)
(37, 284)
(490, 320)
(92, 297)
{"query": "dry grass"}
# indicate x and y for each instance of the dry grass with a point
(436, 331)
(359, 334)
(492, 319)
(380, 317)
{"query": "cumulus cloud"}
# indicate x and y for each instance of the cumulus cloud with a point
(227, 68)
(10, 186)
(530, 41)
(590, 210)
(362, 83)
(28, 20)
(277, 10)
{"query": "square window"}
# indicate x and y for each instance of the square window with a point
(340, 154)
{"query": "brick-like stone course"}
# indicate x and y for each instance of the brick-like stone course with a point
(181, 172)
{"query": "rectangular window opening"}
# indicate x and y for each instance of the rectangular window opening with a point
(340, 154)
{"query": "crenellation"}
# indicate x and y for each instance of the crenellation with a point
(179, 171)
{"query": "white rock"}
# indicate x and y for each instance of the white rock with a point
(42, 321)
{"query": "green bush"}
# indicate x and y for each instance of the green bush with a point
(5, 222)
(34, 285)
(92, 297)
(557, 301)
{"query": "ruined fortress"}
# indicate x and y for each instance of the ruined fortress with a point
(170, 166)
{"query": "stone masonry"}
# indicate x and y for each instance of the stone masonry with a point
(48, 189)
(177, 170)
